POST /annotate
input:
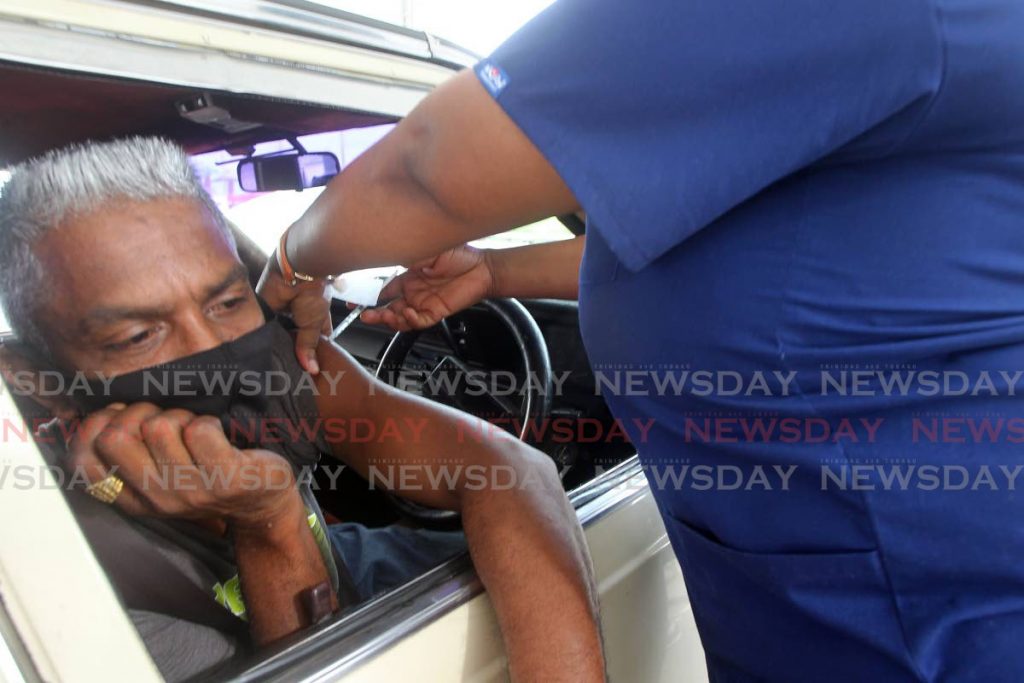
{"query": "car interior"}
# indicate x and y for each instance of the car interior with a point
(496, 340)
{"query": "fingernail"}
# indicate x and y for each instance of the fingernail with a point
(314, 367)
(118, 406)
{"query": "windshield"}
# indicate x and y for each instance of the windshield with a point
(264, 216)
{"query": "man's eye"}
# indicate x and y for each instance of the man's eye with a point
(132, 342)
(228, 305)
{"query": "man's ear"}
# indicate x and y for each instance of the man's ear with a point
(23, 377)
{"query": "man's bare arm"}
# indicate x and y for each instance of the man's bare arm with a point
(456, 169)
(525, 539)
(278, 561)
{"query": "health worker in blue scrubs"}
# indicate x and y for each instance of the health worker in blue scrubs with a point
(819, 206)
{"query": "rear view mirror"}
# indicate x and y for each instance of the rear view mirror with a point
(287, 171)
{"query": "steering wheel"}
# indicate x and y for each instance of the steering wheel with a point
(534, 369)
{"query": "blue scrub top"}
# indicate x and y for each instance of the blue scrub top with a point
(828, 194)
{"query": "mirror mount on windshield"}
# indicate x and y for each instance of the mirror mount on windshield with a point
(295, 169)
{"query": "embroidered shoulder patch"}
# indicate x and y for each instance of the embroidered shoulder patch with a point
(493, 77)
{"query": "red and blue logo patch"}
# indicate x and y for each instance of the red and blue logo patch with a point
(493, 77)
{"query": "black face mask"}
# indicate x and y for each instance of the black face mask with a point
(206, 383)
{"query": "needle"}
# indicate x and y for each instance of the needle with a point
(349, 319)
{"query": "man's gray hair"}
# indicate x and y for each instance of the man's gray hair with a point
(76, 180)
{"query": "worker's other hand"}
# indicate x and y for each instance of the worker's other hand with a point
(435, 288)
(308, 305)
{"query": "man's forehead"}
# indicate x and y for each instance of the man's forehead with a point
(133, 253)
(161, 221)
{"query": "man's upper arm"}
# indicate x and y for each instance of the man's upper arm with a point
(420, 433)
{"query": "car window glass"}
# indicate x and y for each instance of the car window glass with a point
(547, 230)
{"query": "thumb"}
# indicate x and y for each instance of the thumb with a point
(393, 289)
(305, 349)
(272, 287)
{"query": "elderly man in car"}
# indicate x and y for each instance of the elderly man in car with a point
(115, 265)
